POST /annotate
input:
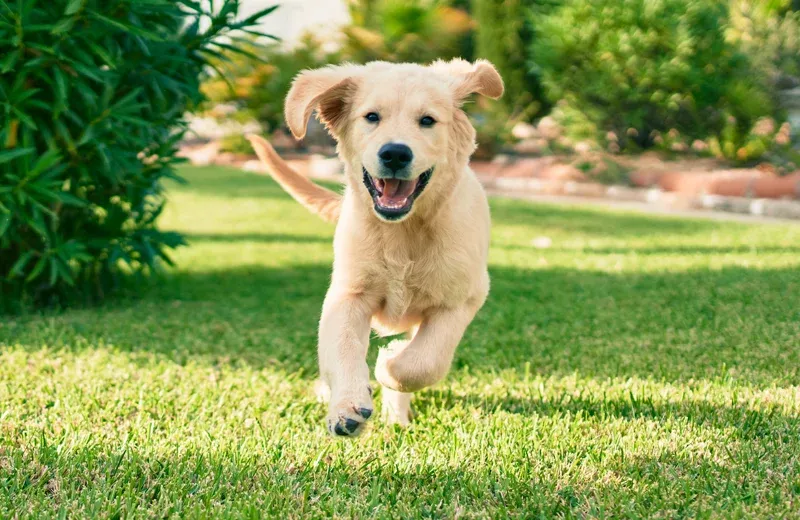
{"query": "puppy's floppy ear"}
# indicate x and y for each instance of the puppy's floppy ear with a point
(481, 78)
(327, 89)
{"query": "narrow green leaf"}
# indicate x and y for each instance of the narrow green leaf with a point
(5, 221)
(36, 222)
(60, 83)
(255, 18)
(8, 62)
(63, 132)
(73, 6)
(127, 28)
(24, 118)
(47, 160)
(18, 100)
(21, 263)
(72, 200)
(239, 50)
(9, 155)
(64, 25)
(128, 99)
(53, 272)
(88, 72)
(37, 269)
(260, 34)
(102, 54)
(63, 270)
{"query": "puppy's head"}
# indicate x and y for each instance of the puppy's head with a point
(400, 127)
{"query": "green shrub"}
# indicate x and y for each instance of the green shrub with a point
(639, 68)
(92, 97)
(236, 144)
(504, 32)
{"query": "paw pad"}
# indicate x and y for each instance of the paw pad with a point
(346, 427)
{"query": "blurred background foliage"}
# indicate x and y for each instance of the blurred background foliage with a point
(258, 86)
(702, 77)
(400, 30)
(639, 67)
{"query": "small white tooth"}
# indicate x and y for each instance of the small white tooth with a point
(395, 204)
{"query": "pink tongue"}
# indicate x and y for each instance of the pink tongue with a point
(397, 190)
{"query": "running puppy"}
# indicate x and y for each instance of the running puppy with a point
(413, 224)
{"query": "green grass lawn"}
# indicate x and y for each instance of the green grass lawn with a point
(639, 367)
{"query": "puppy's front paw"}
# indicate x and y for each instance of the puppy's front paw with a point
(348, 411)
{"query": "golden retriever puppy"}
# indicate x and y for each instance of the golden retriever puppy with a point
(411, 241)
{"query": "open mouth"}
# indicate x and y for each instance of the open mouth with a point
(394, 198)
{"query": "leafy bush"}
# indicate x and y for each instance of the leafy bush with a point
(760, 139)
(639, 68)
(92, 96)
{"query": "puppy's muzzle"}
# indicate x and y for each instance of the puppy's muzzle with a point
(395, 158)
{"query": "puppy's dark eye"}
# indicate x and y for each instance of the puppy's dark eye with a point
(372, 117)
(427, 121)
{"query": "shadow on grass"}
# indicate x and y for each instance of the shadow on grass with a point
(735, 322)
(741, 420)
(676, 326)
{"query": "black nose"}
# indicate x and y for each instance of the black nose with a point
(395, 156)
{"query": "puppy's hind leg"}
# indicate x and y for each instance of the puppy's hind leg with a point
(396, 407)
(322, 391)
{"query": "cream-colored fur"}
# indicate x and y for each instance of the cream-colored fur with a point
(425, 274)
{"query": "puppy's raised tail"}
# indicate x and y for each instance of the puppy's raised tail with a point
(317, 199)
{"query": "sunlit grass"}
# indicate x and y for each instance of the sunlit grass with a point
(637, 367)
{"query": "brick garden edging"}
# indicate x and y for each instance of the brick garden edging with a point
(694, 192)
(777, 208)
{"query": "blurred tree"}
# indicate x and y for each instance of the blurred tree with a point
(770, 7)
(363, 13)
(406, 31)
(634, 69)
(771, 38)
(504, 33)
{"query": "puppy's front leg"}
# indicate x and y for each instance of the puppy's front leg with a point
(343, 341)
(411, 366)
